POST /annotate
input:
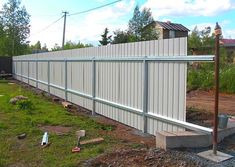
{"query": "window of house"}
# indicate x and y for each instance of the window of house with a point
(172, 34)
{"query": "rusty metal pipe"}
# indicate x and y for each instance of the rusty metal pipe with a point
(216, 105)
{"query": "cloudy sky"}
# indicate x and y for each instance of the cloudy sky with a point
(88, 27)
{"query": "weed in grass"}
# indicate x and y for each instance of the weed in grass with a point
(136, 145)
(26, 105)
(108, 127)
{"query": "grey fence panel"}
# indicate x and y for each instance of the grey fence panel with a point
(121, 83)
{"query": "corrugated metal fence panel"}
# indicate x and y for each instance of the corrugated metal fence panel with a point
(6, 64)
(119, 82)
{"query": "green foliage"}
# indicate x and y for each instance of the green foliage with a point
(14, 27)
(201, 42)
(141, 27)
(25, 105)
(123, 37)
(37, 48)
(227, 79)
(105, 38)
(71, 45)
(203, 77)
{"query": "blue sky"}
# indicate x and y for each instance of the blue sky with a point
(88, 27)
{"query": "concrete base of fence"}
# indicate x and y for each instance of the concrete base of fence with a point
(191, 139)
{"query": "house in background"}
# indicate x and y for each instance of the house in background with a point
(229, 45)
(171, 30)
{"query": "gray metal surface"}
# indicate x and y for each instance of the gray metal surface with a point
(139, 84)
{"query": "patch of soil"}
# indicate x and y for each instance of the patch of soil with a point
(120, 131)
(58, 130)
(127, 134)
(199, 117)
(204, 100)
(141, 158)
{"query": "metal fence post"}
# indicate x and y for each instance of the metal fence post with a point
(48, 75)
(93, 85)
(15, 71)
(66, 79)
(28, 71)
(37, 73)
(218, 32)
(145, 94)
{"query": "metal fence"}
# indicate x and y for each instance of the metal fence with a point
(141, 84)
(5, 65)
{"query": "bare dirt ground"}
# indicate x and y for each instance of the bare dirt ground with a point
(58, 130)
(204, 100)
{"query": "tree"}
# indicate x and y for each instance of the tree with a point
(201, 42)
(105, 38)
(15, 22)
(37, 46)
(194, 40)
(3, 40)
(142, 25)
(123, 37)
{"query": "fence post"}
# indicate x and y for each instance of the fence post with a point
(93, 85)
(145, 94)
(36, 73)
(15, 71)
(48, 75)
(218, 32)
(21, 70)
(66, 79)
(28, 72)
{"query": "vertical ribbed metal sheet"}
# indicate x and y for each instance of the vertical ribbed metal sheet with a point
(119, 82)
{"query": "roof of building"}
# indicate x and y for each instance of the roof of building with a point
(172, 26)
(227, 42)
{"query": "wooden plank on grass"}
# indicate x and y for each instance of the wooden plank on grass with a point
(92, 141)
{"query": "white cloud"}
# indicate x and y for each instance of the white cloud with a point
(229, 33)
(226, 32)
(202, 26)
(89, 29)
(188, 7)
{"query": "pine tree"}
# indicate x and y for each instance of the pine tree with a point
(105, 38)
(141, 25)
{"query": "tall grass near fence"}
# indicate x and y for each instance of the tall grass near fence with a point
(202, 77)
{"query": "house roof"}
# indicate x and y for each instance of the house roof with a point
(227, 42)
(172, 26)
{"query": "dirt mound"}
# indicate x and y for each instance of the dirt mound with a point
(141, 157)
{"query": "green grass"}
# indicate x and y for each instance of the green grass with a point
(15, 120)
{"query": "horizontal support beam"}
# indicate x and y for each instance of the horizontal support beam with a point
(79, 93)
(134, 110)
(190, 58)
(120, 106)
(179, 123)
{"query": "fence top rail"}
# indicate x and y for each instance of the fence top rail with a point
(190, 58)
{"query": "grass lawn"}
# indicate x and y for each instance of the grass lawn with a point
(28, 152)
